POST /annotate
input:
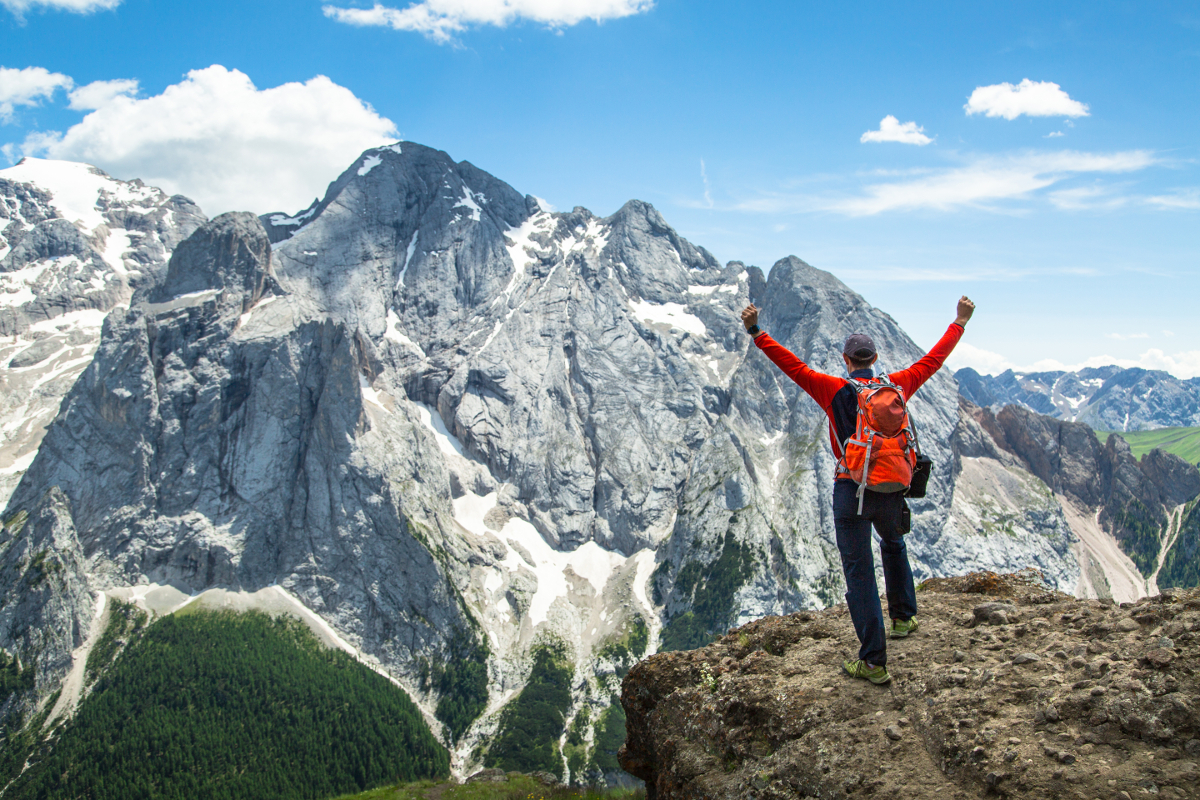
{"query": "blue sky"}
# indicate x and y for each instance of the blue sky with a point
(1067, 207)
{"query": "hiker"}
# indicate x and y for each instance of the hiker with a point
(861, 500)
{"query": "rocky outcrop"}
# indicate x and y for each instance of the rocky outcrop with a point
(1025, 695)
(1105, 398)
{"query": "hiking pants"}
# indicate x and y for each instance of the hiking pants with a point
(858, 565)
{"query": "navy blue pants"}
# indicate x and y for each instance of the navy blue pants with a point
(858, 565)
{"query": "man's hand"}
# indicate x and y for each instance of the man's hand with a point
(750, 316)
(966, 307)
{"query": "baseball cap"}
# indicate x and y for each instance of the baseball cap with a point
(859, 346)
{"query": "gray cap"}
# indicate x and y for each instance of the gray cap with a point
(859, 346)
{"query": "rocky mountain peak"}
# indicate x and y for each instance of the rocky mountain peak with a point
(229, 255)
(74, 244)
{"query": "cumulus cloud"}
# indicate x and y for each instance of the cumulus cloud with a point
(1185, 364)
(28, 87)
(985, 362)
(19, 7)
(988, 180)
(1033, 99)
(100, 93)
(218, 139)
(893, 130)
(439, 20)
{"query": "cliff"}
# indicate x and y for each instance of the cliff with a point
(1007, 690)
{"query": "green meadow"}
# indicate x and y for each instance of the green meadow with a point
(1183, 442)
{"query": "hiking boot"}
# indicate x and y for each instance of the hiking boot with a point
(859, 669)
(903, 627)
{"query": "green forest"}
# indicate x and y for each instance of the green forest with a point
(223, 706)
(530, 725)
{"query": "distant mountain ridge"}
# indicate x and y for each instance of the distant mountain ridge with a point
(1104, 398)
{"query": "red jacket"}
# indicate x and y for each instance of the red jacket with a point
(842, 406)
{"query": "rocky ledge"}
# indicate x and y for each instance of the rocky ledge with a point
(1006, 690)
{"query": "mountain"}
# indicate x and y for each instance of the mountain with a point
(1105, 398)
(499, 452)
(74, 244)
(1148, 505)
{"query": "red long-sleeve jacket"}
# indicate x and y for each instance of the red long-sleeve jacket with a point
(836, 397)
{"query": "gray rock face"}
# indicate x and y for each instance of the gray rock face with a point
(1134, 500)
(426, 407)
(48, 603)
(74, 243)
(1105, 398)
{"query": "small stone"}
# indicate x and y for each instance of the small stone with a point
(904, 723)
(1159, 658)
(893, 733)
(1061, 655)
(1128, 625)
(978, 753)
(966, 723)
(1058, 774)
(1099, 691)
(960, 656)
(827, 689)
(1027, 658)
(1078, 662)
(1052, 714)
(1066, 758)
(1192, 748)
(1013, 740)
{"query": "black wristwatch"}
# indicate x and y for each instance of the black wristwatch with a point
(754, 330)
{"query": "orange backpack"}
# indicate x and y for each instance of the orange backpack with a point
(882, 454)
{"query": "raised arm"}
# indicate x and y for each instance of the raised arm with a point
(912, 378)
(818, 385)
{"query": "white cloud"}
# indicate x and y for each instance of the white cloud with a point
(982, 361)
(100, 93)
(988, 180)
(1053, 135)
(1040, 99)
(1189, 199)
(1087, 198)
(708, 201)
(19, 7)
(1126, 336)
(441, 19)
(892, 130)
(27, 87)
(218, 139)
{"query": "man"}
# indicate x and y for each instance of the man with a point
(838, 398)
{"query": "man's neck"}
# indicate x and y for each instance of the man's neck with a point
(868, 372)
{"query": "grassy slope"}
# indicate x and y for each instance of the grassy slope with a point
(1183, 442)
